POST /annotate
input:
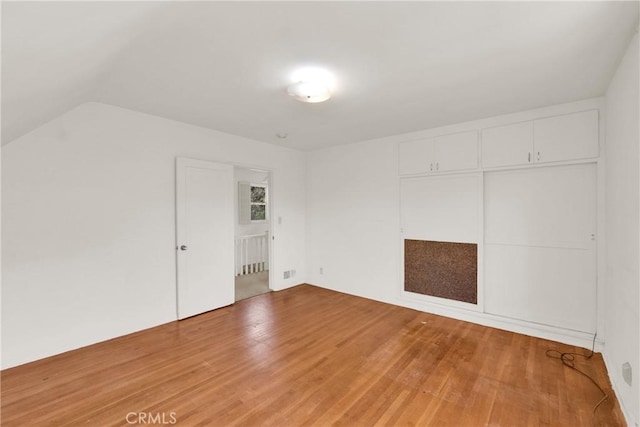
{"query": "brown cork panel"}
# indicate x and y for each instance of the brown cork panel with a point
(441, 269)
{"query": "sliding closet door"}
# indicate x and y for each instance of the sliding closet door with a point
(540, 249)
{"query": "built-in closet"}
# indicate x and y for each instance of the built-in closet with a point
(522, 197)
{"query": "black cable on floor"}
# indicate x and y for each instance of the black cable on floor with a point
(568, 359)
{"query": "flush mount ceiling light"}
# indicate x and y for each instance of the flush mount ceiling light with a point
(311, 84)
(309, 92)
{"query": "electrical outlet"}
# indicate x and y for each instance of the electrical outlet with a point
(626, 372)
(321, 270)
(287, 274)
(293, 273)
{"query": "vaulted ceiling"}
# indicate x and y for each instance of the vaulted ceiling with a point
(399, 66)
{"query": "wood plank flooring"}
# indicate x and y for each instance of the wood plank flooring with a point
(310, 356)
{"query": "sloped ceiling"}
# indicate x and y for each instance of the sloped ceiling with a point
(399, 66)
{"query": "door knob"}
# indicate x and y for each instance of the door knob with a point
(183, 247)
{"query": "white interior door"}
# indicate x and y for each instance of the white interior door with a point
(204, 210)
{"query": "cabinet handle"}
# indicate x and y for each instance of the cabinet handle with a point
(538, 156)
(529, 157)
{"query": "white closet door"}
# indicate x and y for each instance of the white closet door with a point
(540, 249)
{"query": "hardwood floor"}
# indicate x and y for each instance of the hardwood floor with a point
(310, 356)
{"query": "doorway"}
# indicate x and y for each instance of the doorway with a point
(252, 232)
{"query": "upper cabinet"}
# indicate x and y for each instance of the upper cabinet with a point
(553, 139)
(567, 137)
(445, 153)
(561, 138)
(507, 145)
(458, 151)
(416, 156)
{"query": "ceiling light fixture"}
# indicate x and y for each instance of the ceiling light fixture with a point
(309, 92)
(311, 84)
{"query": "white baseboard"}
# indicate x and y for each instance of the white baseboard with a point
(566, 336)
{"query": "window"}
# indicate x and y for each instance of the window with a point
(252, 202)
(258, 202)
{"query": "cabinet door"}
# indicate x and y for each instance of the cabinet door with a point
(551, 286)
(567, 137)
(443, 208)
(415, 157)
(458, 151)
(507, 145)
(540, 253)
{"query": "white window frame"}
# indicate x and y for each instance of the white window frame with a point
(265, 204)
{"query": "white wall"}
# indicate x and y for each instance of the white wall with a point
(88, 223)
(353, 218)
(622, 311)
(353, 222)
